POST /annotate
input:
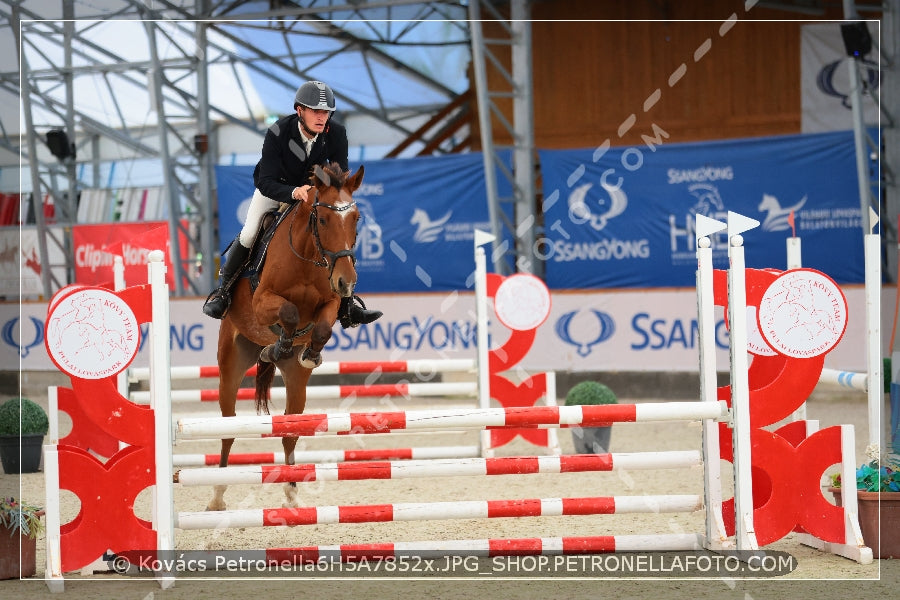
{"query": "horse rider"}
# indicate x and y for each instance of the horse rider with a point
(292, 147)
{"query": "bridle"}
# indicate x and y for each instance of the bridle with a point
(328, 258)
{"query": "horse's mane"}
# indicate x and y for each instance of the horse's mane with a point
(337, 176)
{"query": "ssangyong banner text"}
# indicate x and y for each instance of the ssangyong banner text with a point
(638, 330)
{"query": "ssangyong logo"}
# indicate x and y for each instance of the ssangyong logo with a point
(596, 212)
(832, 84)
(609, 205)
(22, 346)
(581, 336)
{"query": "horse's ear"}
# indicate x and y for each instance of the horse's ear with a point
(356, 180)
(322, 176)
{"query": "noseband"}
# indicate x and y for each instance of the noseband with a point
(328, 258)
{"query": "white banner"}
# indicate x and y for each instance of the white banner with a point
(631, 330)
(825, 79)
(20, 262)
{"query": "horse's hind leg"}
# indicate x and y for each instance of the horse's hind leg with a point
(236, 355)
(295, 380)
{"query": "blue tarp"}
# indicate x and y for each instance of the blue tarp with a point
(613, 217)
(418, 217)
(624, 217)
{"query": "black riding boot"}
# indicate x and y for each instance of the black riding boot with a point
(220, 299)
(352, 315)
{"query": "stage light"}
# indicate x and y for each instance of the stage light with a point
(857, 39)
(59, 145)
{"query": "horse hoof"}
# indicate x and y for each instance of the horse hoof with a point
(267, 354)
(308, 363)
(215, 505)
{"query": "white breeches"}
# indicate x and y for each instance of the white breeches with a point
(259, 205)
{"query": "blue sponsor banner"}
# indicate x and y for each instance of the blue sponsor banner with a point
(418, 218)
(235, 188)
(624, 217)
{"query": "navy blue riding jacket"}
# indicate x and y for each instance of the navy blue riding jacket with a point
(284, 164)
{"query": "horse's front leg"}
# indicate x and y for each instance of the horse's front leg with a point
(288, 317)
(321, 333)
(295, 381)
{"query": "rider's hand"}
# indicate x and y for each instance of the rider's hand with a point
(301, 193)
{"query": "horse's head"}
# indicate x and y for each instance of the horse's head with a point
(333, 219)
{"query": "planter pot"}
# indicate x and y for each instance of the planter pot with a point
(30, 460)
(591, 440)
(884, 540)
(14, 565)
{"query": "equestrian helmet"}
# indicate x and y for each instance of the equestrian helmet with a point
(316, 95)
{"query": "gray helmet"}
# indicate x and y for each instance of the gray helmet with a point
(314, 94)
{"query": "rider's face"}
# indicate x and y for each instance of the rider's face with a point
(314, 119)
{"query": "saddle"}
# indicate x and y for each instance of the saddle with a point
(267, 226)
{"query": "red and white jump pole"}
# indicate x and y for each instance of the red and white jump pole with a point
(422, 366)
(329, 456)
(404, 469)
(326, 392)
(384, 422)
(426, 511)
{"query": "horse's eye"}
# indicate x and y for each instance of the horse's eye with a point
(322, 221)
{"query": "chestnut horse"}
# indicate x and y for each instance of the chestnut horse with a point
(287, 320)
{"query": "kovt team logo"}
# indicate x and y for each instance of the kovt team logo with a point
(803, 313)
(92, 334)
(581, 335)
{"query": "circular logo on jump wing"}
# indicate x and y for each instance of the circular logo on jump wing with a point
(522, 302)
(92, 334)
(756, 344)
(802, 314)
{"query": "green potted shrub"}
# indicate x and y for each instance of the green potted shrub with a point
(877, 487)
(591, 440)
(23, 425)
(20, 524)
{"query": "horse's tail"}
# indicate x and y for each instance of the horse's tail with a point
(265, 373)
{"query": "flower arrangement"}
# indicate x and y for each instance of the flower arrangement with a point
(875, 475)
(21, 517)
